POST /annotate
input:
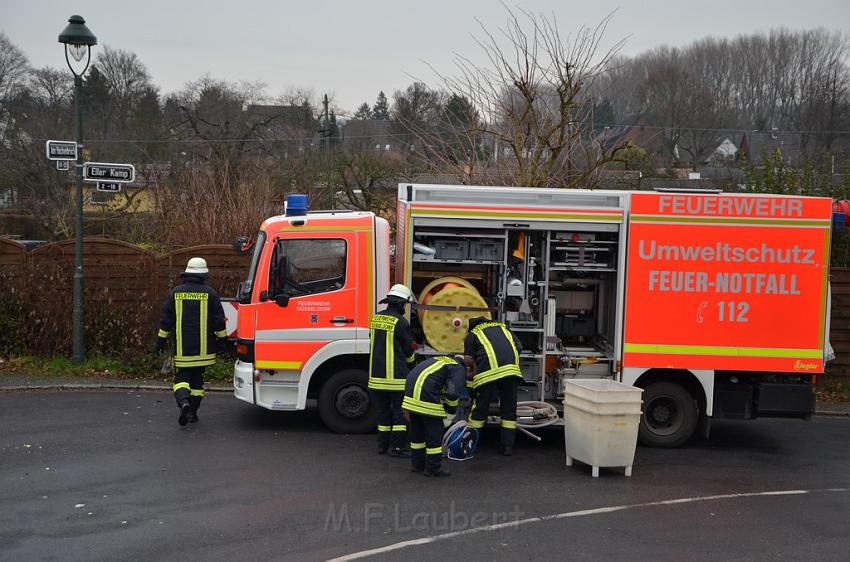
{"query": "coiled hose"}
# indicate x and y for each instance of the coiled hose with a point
(533, 414)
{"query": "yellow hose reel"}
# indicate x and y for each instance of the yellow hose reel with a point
(445, 330)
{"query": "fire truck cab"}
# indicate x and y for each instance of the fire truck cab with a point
(713, 303)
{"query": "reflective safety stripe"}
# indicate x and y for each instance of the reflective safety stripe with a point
(452, 403)
(399, 428)
(384, 428)
(196, 392)
(178, 308)
(389, 353)
(488, 347)
(434, 451)
(412, 358)
(221, 334)
(424, 408)
(475, 423)
(417, 446)
(203, 331)
(378, 383)
(163, 334)
(508, 424)
(496, 374)
(721, 351)
(279, 365)
(180, 385)
(194, 361)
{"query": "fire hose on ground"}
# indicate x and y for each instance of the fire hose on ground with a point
(534, 415)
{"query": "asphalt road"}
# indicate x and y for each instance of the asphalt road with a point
(110, 475)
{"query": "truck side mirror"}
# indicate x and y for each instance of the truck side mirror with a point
(282, 300)
(264, 296)
(243, 245)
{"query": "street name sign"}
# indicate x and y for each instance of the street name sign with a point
(102, 171)
(61, 150)
(108, 186)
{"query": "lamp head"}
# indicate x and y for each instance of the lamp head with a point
(77, 38)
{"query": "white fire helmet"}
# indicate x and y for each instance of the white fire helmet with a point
(197, 266)
(400, 291)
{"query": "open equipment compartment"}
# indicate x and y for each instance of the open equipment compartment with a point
(555, 283)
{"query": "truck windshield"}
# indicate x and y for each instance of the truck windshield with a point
(248, 285)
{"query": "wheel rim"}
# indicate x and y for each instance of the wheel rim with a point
(663, 415)
(352, 401)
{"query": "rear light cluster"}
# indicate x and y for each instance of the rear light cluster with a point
(245, 350)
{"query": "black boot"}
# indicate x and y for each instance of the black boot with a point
(185, 410)
(438, 473)
(400, 453)
(193, 417)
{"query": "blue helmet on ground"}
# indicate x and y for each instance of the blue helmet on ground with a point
(460, 441)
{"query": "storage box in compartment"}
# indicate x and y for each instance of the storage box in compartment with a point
(486, 250)
(452, 249)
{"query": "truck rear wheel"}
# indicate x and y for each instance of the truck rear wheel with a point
(345, 404)
(669, 415)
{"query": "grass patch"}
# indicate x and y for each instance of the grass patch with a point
(143, 367)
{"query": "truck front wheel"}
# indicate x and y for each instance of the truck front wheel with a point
(669, 415)
(345, 405)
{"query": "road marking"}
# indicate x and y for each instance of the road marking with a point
(570, 514)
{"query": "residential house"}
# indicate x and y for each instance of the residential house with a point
(755, 144)
(374, 134)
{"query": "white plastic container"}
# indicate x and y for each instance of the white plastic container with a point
(601, 419)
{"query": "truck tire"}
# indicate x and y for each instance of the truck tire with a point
(669, 415)
(345, 405)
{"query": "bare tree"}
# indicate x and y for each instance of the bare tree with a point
(533, 104)
(127, 79)
(368, 178)
(13, 72)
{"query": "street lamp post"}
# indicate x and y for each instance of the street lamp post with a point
(78, 41)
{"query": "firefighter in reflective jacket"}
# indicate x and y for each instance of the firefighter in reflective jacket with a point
(496, 353)
(194, 313)
(432, 388)
(390, 358)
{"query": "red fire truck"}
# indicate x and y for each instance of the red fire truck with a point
(714, 303)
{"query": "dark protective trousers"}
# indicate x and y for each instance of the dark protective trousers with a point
(426, 442)
(392, 429)
(506, 389)
(189, 385)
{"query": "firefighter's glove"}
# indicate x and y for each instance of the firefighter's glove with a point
(160, 345)
(223, 345)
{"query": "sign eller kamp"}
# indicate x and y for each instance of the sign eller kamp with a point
(104, 172)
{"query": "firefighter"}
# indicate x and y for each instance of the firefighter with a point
(432, 388)
(390, 358)
(496, 353)
(193, 312)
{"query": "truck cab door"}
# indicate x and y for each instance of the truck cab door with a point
(309, 298)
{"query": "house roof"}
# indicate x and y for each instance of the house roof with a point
(755, 144)
(370, 132)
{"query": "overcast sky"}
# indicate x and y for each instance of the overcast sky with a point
(354, 48)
